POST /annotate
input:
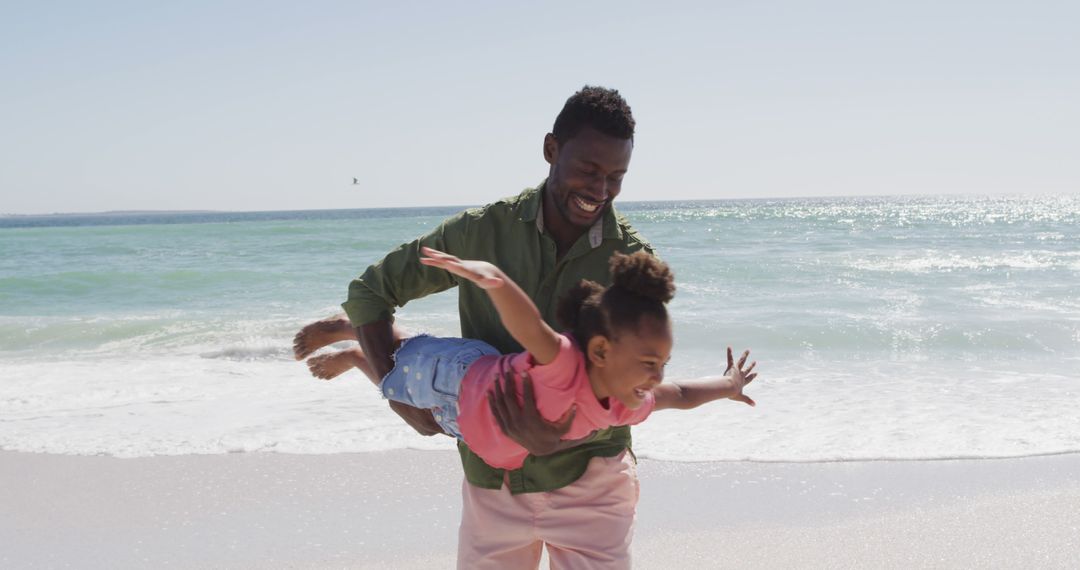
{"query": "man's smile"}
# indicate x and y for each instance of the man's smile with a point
(586, 205)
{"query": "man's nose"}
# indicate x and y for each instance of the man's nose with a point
(598, 187)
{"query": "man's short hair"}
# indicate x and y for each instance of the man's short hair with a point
(601, 108)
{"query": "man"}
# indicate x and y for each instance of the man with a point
(577, 497)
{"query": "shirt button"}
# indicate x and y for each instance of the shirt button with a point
(438, 418)
(406, 369)
(390, 391)
(419, 376)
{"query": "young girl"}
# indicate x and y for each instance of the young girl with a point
(610, 366)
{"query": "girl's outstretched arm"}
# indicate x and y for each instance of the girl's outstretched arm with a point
(684, 395)
(518, 313)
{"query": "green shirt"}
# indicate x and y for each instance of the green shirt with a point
(510, 234)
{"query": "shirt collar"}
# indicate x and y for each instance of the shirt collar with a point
(533, 210)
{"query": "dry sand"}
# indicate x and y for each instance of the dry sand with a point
(400, 510)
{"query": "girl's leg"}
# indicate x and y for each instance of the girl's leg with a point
(331, 365)
(322, 333)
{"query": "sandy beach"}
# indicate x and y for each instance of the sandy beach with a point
(400, 510)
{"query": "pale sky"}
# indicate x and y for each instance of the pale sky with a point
(274, 106)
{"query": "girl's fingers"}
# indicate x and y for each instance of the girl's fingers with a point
(751, 367)
(434, 253)
(455, 266)
(750, 378)
(436, 262)
(437, 258)
(742, 359)
(730, 360)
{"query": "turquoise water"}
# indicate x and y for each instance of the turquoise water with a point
(885, 327)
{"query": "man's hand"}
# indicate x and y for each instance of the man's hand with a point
(423, 421)
(524, 424)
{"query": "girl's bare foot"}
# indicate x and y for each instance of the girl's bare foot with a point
(331, 365)
(327, 366)
(322, 333)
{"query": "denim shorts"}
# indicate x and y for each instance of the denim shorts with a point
(427, 374)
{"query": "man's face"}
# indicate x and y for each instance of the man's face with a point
(586, 174)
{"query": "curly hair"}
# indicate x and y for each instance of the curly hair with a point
(598, 107)
(641, 285)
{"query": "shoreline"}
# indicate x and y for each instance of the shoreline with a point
(400, 509)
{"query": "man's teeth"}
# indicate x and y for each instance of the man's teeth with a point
(588, 207)
(639, 392)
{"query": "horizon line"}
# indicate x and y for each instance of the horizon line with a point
(440, 206)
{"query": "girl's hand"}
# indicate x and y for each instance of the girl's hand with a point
(482, 273)
(740, 376)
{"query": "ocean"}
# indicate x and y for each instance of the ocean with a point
(884, 327)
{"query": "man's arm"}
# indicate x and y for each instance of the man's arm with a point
(392, 282)
(377, 341)
(399, 277)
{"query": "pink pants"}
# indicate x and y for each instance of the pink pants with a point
(588, 524)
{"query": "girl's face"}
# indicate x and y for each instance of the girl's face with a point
(632, 364)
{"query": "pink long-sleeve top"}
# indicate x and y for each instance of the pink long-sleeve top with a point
(558, 385)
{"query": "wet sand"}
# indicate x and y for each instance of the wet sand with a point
(400, 510)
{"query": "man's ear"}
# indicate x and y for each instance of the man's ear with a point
(598, 350)
(551, 149)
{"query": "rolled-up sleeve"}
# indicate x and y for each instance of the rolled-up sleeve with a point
(400, 277)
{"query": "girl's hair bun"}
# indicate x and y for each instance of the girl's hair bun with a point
(642, 274)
